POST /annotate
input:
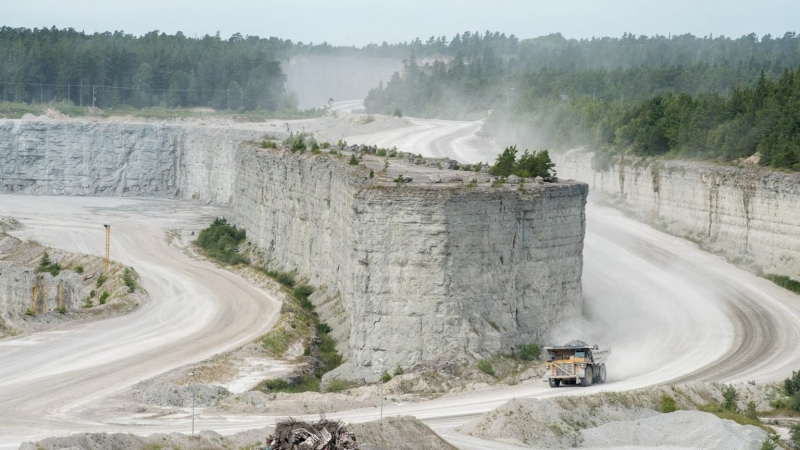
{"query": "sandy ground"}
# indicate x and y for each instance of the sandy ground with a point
(671, 313)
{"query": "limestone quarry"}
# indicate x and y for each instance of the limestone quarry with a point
(419, 271)
(413, 260)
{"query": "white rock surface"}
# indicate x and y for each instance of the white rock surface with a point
(748, 214)
(119, 159)
(422, 271)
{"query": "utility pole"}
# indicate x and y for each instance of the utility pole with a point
(191, 374)
(108, 246)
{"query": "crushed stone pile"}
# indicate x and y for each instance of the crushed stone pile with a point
(680, 429)
(397, 433)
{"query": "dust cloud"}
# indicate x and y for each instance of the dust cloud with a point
(319, 78)
(643, 297)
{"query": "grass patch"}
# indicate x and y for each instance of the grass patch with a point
(284, 278)
(221, 241)
(741, 419)
(104, 297)
(486, 367)
(784, 282)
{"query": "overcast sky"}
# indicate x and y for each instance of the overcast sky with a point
(359, 22)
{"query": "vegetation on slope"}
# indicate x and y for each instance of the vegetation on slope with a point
(298, 320)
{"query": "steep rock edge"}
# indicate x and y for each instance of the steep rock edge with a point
(748, 214)
(424, 271)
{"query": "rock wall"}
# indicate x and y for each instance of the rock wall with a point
(17, 294)
(423, 271)
(748, 214)
(119, 159)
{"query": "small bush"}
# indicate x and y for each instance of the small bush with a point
(667, 404)
(28, 312)
(88, 302)
(751, 412)
(92, 293)
(326, 145)
(45, 262)
(79, 269)
(101, 280)
(485, 366)
(284, 278)
(529, 352)
(794, 437)
(385, 377)
(54, 269)
(353, 160)
(269, 144)
(398, 371)
(791, 385)
(371, 174)
(381, 152)
(770, 442)
(323, 328)
(221, 241)
(127, 277)
(730, 397)
(397, 112)
(104, 297)
(368, 119)
(400, 180)
(794, 402)
(62, 309)
(338, 386)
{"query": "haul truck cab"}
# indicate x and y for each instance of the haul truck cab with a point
(576, 362)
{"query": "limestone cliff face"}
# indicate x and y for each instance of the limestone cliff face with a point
(114, 159)
(749, 214)
(422, 271)
(17, 292)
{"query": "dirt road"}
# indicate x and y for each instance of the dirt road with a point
(196, 310)
(671, 312)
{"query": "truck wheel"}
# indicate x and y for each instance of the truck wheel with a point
(587, 380)
(602, 375)
(554, 382)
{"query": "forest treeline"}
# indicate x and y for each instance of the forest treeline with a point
(704, 98)
(113, 69)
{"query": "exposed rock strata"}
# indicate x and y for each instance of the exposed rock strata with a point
(748, 214)
(119, 159)
(422, 271)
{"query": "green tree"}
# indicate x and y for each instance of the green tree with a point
(505, 163)
(142, 83)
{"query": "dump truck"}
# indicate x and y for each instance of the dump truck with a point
(576, 362)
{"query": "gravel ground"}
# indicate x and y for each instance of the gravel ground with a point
(680, 429)
(570, 421)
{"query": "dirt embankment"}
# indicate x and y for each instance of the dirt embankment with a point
(395, 433)
(42, 288)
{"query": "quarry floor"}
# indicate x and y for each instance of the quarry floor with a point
(671, 313)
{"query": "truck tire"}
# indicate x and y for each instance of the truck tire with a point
(587, 380)
(554, 382)
(602, 375)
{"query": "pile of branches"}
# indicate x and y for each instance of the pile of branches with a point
(324, 435)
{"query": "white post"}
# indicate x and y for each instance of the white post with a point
(380, 360)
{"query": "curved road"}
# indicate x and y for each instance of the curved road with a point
(671, 312)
